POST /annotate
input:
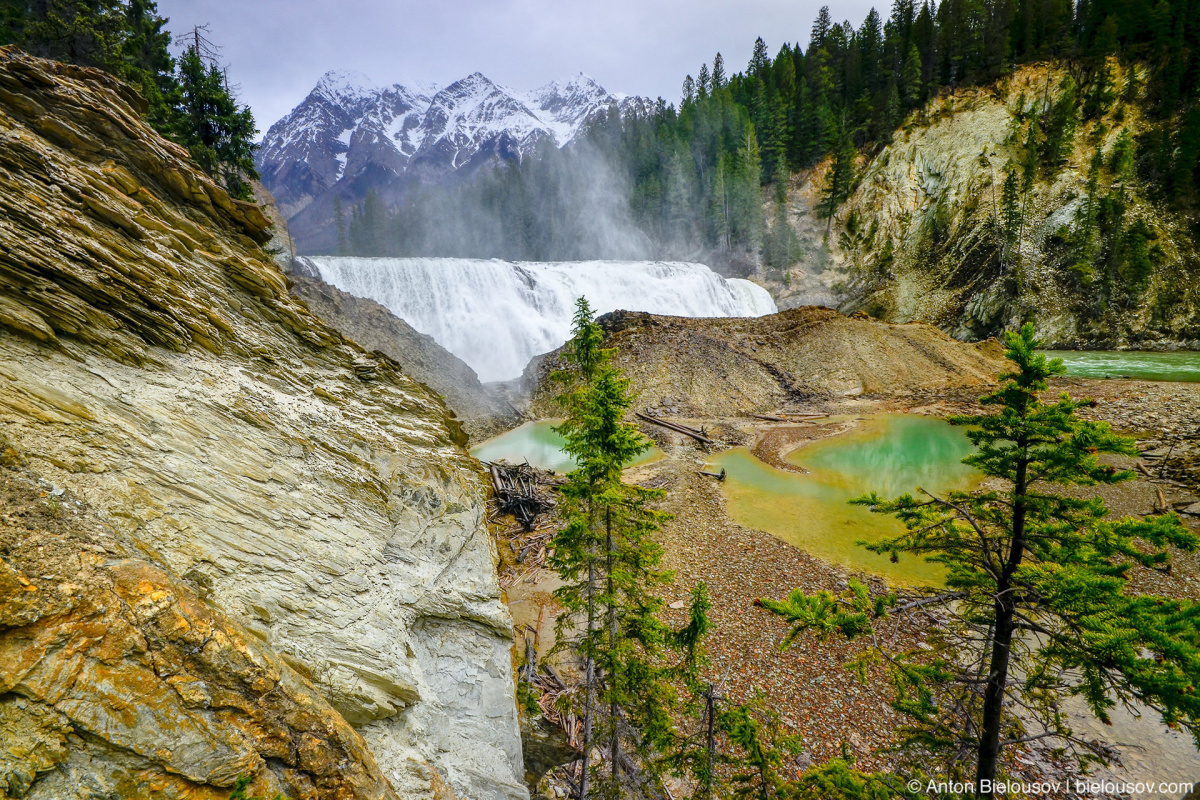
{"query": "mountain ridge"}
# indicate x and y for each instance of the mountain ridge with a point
(350, 136)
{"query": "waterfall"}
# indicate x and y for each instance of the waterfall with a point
(497, 315)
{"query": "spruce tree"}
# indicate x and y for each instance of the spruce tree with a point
(148, 65)
(610, 565)
(1036, 586)
(840, 178)
(1060, 124)
(910, 78)
(782, 247)
(1011, 219)
(820, 29)
(760, 62)
(1087, 234)
(84, 32)
(218, 133)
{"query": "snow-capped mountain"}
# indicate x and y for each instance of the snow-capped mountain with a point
(349, 135)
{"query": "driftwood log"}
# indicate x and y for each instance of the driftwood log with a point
(788, 417)
(698, 435)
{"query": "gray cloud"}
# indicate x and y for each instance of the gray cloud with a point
(276, 49)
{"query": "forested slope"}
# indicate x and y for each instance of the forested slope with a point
(1018, 200)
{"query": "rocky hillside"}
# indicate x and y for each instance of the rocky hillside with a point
(1084, 250)
(719, 367)
(256, 549)
(481, 411)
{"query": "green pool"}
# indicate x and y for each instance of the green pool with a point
(1177, 366)
(890, 454)
(537, 443)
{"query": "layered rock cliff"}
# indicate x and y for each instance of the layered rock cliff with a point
(1084, 249)
(278, 566)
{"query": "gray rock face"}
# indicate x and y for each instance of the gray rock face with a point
(153, 363)
(482, 411)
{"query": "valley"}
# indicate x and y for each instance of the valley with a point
(830, 429)
(748, 537)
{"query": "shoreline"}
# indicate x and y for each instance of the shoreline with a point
(740, 565)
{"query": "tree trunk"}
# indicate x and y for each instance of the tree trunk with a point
(993, 702)
(612, 649)
(589, 680)
(711, 704)
(1005, 609)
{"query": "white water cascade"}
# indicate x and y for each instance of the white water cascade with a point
(496, 315)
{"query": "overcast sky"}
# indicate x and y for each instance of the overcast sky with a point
(276, 50)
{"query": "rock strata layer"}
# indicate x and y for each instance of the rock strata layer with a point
(117, 680)
(314, 496)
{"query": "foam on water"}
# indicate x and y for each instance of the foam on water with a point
(496, 315)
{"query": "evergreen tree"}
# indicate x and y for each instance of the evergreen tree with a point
(1086, 231)
(782, 247)
(1138, 266)
(840, 178)
(719, 207)
(718, 72)
(756, 735)
(1012, 220)
(84, 32)
(1060, 127)
(610, 566)
(147, 63)
(760, 62)
(910, 78)
(746, 222)
(1122, 155)
(820, 29)
(218, 133)
(1036, 586)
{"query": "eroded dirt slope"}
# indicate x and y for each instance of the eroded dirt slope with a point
(717, 367)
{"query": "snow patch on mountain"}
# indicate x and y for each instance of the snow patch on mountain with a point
(351, 134)
(344, 87)
(467, 114)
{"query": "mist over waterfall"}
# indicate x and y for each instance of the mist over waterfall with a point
(496, 315)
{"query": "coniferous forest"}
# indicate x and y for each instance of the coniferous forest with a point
(688, 180)
(188, 99)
